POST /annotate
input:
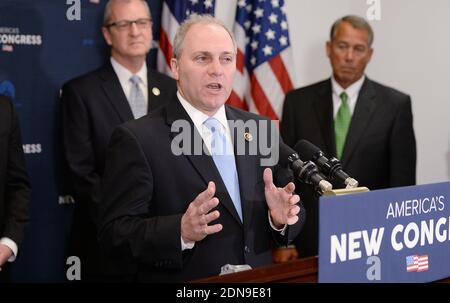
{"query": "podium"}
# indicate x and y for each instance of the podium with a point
(296, 271)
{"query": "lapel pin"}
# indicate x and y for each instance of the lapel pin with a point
(248, 137)
(156, 91)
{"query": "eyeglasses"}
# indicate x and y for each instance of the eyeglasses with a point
(125, 24)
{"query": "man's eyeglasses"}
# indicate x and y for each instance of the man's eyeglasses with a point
(125, 24)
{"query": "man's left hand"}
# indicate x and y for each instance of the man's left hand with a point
(5, 254)
(282, 202)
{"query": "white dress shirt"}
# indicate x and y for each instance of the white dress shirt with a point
(352, 93)
(12, 245)
(124, 76)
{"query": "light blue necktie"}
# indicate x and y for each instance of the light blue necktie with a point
(223, 156)
(137, 99)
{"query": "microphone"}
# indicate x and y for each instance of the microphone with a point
(306, 172)
(332, 167)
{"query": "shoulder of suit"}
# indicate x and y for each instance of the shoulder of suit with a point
(243, 114)
(6, 111)
(162, 77)
(388, 92)
(307, 93)
(310, 88)
(86, 78)
(5, 103)
(151, 125)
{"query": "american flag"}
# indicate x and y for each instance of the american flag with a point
(265, 68)
(264, 61)
(7, 48)
(175, 12)
(416, 263)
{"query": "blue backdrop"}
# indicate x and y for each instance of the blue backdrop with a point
(40, 49)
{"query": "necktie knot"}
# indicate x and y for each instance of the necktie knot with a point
(344, 98)
(219, 143)
(213, 125)
(135, 79)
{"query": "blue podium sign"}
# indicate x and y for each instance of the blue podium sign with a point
(391, 235)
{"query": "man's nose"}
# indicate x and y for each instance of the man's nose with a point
(215, 67)
(349, 55)
(134, 29)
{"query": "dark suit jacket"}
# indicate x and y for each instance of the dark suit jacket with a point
(380, 148)
(147, 189)
(14, 184)
(92, 106)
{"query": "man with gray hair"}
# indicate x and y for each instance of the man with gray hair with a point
(174, 218)
(93, 104)
(367, 125)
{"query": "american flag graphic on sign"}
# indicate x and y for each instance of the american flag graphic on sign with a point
(416, 263)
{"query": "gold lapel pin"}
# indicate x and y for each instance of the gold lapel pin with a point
(156, 91)
(248, 137)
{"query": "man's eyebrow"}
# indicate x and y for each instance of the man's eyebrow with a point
(209, 53)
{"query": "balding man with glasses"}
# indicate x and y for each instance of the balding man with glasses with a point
(95, 103)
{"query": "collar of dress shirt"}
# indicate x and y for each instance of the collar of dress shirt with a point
(124, 74)
(199, 117)
(352, 93)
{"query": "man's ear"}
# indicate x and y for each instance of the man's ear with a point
(106, 35)
(174, 68)
(370, 54)
(328, 47)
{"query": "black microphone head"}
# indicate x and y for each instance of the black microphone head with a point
(287, 155)
(306, 150)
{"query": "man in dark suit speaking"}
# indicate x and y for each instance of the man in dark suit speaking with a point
(171, 216)
(14, 187)
(93, 104)
(368, 126)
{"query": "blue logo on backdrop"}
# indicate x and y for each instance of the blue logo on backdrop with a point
(7, 88)
(391, 235)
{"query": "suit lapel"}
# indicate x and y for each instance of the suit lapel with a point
(245, 166)
(155, 89)
(202, 163)
(114, 92)
(324, 112)
(364, 109)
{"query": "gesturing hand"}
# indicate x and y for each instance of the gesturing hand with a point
(5, 254)
(194, 222)
(281, 201)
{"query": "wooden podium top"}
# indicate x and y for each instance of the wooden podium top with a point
(297, 271)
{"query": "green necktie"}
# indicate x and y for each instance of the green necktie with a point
(341, 124)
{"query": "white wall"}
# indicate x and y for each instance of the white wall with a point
(412, 54)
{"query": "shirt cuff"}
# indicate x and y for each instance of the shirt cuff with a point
(185, 246)
(282, 230)
(12, 245)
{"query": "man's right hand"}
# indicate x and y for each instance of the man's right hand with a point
(194, 222)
